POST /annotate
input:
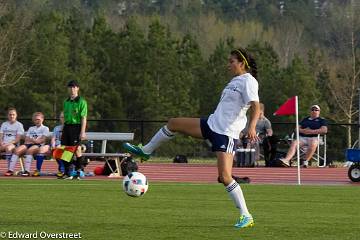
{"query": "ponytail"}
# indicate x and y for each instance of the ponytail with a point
(243, 56)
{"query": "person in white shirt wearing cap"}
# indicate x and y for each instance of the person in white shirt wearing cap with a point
(222, 128)
(309, 129)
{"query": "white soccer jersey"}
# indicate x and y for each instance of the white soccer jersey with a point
(229, 117)
(57, 134)
(35, 132)
(11, 130)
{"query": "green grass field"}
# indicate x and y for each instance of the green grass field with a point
(100, 210)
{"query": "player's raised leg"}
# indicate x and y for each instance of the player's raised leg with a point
(187, 126)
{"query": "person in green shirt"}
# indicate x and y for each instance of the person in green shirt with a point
(75, 119)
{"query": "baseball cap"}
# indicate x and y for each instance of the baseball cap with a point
(73, 83)
(315, 106)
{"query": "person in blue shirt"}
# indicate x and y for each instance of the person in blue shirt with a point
(309, 129)
(56, 142)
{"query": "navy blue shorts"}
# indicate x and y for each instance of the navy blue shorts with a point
(219, 142)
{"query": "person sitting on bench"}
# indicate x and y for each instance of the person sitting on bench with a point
(11, 132)
(34, 145)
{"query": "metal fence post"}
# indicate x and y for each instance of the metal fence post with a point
(142, 131)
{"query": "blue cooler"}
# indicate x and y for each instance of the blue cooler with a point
(352, 155)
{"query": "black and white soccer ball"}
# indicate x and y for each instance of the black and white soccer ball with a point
(135, 184)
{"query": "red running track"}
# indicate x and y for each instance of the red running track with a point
(206, 173)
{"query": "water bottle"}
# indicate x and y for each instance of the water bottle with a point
(240, 157)
(247, 157)
(91, 146)
(252, 157)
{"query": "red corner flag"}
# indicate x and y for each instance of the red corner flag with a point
(288, 108)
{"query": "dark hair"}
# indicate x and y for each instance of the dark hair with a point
(11, 109)
(73, 83)
(243, 56)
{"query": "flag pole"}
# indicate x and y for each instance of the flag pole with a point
(291, 107)
(297, 138)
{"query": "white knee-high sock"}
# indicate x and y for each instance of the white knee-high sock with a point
(8, 159)
(13, 161)
(237, 196)
(163, 135)
(28, 160)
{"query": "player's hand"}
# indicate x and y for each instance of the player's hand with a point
(252, 136)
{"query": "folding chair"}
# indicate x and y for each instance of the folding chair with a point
(322, 157)
(320, 153)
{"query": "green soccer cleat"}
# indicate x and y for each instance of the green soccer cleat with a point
(136, 150)
(244, 222)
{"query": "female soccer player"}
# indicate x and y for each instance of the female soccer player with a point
(222, 128)
(56, 142)
(34, 144)
(11, 132)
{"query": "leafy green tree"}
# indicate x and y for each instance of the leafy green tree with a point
(164, 82)
(268, 68)
(15, 27)
(298, 80)
(104, 83)
(49, 53)
(341, 34)
(191, 65)
(215, 77)
(129, 65)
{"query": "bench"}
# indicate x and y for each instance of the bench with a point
(108, 136)
(103, 155)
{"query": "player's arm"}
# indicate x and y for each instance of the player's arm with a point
(40, 140)
(53, 139)
(254, 116)
(83, 128)
(17, 138)
(29, 140)
(83, 113)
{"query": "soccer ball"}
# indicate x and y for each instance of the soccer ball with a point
(135, 184)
